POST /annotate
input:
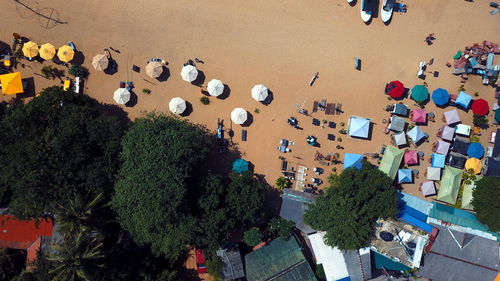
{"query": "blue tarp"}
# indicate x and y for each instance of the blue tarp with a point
(413, 212)
(405, 175)
(475, 150)
(415, 222)
(353, 160)
(345, 279)
(438, 160)
(463, 99)
(440, 97)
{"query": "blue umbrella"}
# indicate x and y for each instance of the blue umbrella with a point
(463, 99)
(240, 166)
(353, 160)
(438, 160)
(440, 97)
(405, 175)
(475, 150)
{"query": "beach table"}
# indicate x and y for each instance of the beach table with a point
(433, 173)
(428, 188)
(438, 160)
(463, 130)
(442, 147)
(447, 133)
(451, 117)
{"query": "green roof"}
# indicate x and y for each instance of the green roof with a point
(280, 260)
(450, 184)
(383, 262)
(391, 161)
(467, 194)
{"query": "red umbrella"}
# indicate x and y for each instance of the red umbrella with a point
(480, 107)
(395, 89)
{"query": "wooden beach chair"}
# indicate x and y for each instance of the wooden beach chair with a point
(315, 106)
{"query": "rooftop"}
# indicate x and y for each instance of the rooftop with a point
(294, 204)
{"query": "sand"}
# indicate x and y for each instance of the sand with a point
(280, 44)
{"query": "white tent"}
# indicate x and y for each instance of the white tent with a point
(332, 259)
(399, 138)
(177, 105)
(121, 96)
(239, 116)
(259, 92)
(433, 173)
(215, 87)
(359, 127)
(189, 73)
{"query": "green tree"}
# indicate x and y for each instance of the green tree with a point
(348, 209)
(245, 198)
(281, 183)
(11, 263)
(78, 71)
(282, 227)
(486, 202)
(252, 237)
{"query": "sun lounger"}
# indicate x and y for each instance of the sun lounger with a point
(316, 122)
(77, 85)
(357, 63)
(315, 106)
(66, 84)
(284, 165)
(244, 135)
(366, 10)
(386, 10)
(72, 45)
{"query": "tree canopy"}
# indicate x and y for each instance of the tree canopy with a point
(348, 209)
(486, 202)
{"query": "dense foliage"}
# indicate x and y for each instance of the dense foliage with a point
(78, 71)
(348, 209)
(11, 263)
(486, 202)
(252, 237)
(281, 227)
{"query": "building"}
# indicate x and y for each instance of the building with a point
(233, 264)
(294, 204)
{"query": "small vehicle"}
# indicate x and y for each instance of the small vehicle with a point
(200, 261)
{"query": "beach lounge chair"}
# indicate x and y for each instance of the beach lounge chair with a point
(316, 122)
(366, 10)
(67, 84)
(357, 63)
(315, 106)
(386, 10)
(77, 85)
(244, 135)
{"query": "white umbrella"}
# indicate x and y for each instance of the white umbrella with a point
(239, 116)
(189, 73)
(215, 87)
(121, 96)
(100, 62)
(177, 105)
(259, 92)
(154, 69)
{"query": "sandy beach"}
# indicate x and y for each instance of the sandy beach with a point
(280, 44)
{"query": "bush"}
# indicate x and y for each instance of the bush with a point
(257, 111)
(281, 183)
(146, 91)
(282, 227)
(205, 100)
(486, 202)
(78, 71)
(215, 265)
(252, 237)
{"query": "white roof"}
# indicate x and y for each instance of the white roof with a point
(215, 87)
(189, 73)
(433, 173)
(332, 259)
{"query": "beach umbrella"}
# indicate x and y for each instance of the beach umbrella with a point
(47, 51)
(411, 157)
(240, 166)
(11, 83)
(480, 107)
(463, 99)
(438, 160)
(215, 87)
(399, 138)
(259, 92)
(475, 150)
(475, 164)
(395, 89)
(433, 173)
(65, 53)
(440, 97)
(353, 160)
(416, 134)
(419, 116)
(497, 116)
(405, 176)
(451, 117)
(100, 62)
(177, 105)
(428, 188)
(154, 69)
(239, 115)
(189, 73)
(121, 96)
(419, 93)
(30, 49)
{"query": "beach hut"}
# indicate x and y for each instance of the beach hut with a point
(450, 184)
(419, 116)
(259, 93)
(440, 97)
(391, 161)
(239, 116)
(416, 134)
(189, 73)
(30, 49)
(359, 127)
(240, 166)
(395, 89)
(411, 157)
(428, 188)
(100, 62)
(442, 147)
(451, 117)
(11, 83)
(447, 133)
(396, 124)
(475, 150)
(177, 105)
(463, 99)
(154, 69)
(480, 107)
(47, 51)
(438, 160)
(65, 53)
(405, 176)
(433, 173)
(215, 87)
(399, 138)
(121, 96)
(352, 160)
(419, 93)
(473, 164)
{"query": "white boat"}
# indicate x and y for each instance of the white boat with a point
(366, 10)
(386, 10)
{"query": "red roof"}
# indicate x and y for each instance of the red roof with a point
(20, 234)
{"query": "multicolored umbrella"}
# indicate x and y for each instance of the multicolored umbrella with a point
(419, 93)
(440, 97)
(395, 89)
(480, 107)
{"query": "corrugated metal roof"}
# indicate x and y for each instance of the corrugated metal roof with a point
(294, 204)
(233, 264)
(20, 234)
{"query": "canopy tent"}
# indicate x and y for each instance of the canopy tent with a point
(438, 160)
(460, 145)
(359, 127)
(11, 83)
(177, 105)
(416, 134)
(395, 89)
(475, 150)
(463, 99)
(154, 69)
(240, 166)
(428, 188)
(450, 184)
(399, 138)
(47, 51)
(433, 173)
(239, 116)
(121, 96)
(30, 49)
(480, 107)
(189, 73)
(396, 124)
(411, 157)
(400, 109)
(497, 116)
(405, 176)
(419, 116)
(456, 160)
(353, 160)
(447, 133)
(419, 93)
(462, 129)
(65, 53)
(474, 164)
(215, 87)
(259, 93)
(100, 62)
(442, 147)
(440, 97)
(391, 161)
(451, 117)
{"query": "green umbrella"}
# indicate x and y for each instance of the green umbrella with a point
(497, 116)
(419, 93)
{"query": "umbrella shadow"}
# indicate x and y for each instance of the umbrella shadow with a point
(164, 75)
(200, 79)
(188, 111)
(112, 67)
(269, 98)
(225, 94)
(249, 120)
(78, 58)
(133, 99)
(353, 3)
(5, 48)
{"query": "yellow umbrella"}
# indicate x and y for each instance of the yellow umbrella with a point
(47, 51)
(475, 164)
(65, 53)
(11, 83)
(30, 49)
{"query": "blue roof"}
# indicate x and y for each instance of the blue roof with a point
(353, 160)
(405, 175)
(440, 97)
(475, 150)
(438, 160)
(406, 217)
(415, 203)
(463, 99)
(359, 127)
(416, 134)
